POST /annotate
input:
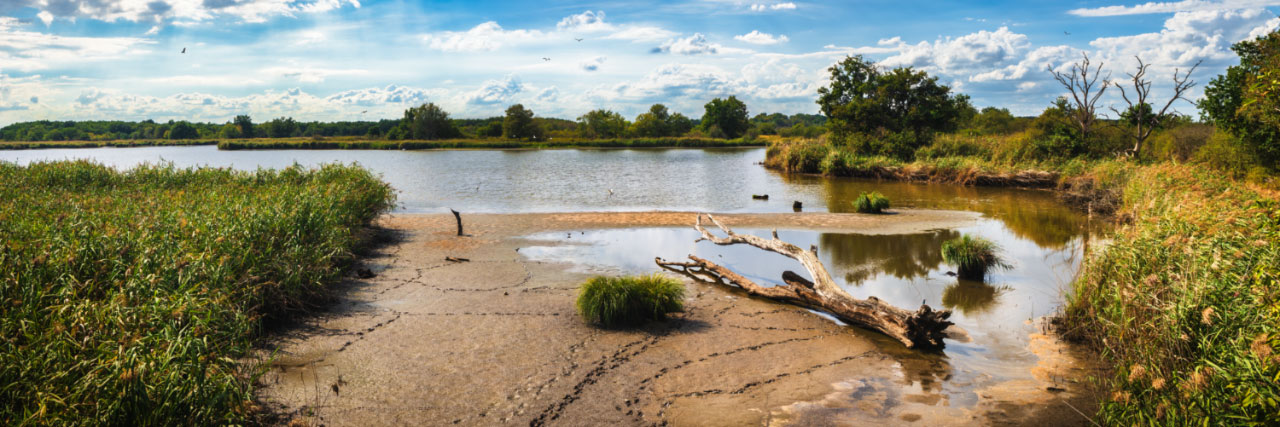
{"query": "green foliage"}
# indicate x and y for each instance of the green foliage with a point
(890, 112)
(994, 121)
(629, 300)
(1242, 102)
(244, 126)
(602, 124)
(1185, 302)
(872, 203)
(183, 130)
(1178, 143)
(282, 127)
(973, 256)
(659, 122)
(953, 145)
(129, 296)
(518, 124)
(391, 144)
(429, 121)
(1226, 153)
(727, 115)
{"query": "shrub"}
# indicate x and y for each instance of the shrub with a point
(1226, 153)
(1179, 143)
(972, 256)
(629, 300)
(873, 202)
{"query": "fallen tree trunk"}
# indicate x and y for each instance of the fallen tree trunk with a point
(924, 329)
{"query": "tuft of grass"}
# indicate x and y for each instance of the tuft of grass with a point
(872, 202)
(629, 300)
(127, 297)
(973, 256)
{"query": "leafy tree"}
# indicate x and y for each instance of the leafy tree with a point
(282, 127)
(1245, 100)
(519, 124)
(890, 112)
(653, 123)
(183, 130)
(244, 125)
(729, 115)
(992, 120)
(602, 124)
(429, 121)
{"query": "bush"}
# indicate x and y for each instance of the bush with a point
(873, 202)
(973, 256)
(1226, 153)
(1179, 143)
(629, 300)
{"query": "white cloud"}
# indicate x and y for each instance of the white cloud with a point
(757, 7)
(1173, 7)
(641, 34)
(397, 96)
(1188, 37)
(982, 50)
(692, 45)
(28, 50)
(487, 36)
(495, 92)
(310, 74)
(592, 64)
(757, 37)
(585, 22)
(188, 10)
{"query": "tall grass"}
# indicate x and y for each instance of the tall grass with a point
(125, 297)
(1185, 303)
(973, 257)
(629, 300)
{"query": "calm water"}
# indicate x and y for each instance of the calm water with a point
(580, 180)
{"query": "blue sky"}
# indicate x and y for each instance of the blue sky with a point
(370, 59)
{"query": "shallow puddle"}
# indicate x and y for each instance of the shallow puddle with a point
(1002, 315)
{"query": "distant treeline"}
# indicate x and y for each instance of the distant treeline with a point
(726, 119)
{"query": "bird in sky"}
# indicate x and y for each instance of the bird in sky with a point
(365, 111)
(578, 39)
(184, 50)
(1064, 32)
(546, 59)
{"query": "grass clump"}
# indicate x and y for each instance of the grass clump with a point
(127, 297)
(629, 300)
(973, 256)
(872, 202)
(1185, 303)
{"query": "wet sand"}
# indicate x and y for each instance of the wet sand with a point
(496, 340)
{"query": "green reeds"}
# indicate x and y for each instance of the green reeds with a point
(629, 300)
(872, 202)
(973, 257)
(127, 297)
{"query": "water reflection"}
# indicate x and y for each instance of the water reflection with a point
(860, 257)
(971, 297)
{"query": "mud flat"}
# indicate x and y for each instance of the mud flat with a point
(495, 340)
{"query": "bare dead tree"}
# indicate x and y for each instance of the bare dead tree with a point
(1081, 81)
(1146, 122)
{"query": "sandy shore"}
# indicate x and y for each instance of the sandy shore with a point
(497, 341)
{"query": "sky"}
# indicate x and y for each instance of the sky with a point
(370, 59)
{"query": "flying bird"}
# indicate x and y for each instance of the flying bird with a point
(578, 39)
(1064, 32)
(546, 59)
(365, 111)
(184, 50)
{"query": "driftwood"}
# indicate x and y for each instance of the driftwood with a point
(456, 259)
(458, 217)
(924, 328)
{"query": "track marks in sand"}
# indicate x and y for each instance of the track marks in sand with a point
(605, 365)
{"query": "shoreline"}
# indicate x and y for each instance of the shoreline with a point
(496, 340)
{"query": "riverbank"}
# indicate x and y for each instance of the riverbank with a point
(125, 296)
(1184, 304)
(34, 145)
(496, 340)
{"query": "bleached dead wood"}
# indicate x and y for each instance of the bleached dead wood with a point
(924, 328)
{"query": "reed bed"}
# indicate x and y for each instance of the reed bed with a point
(1185, 303)
(127, 297)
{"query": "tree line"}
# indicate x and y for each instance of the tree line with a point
(723, 118)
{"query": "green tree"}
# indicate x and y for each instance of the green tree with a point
(653, 124)
(244, 125)
(1245, 101)
(519, 124)
(429, 121)
(890, 112)
(602, 124)
(992, 120)
(183, 130)
(729, 115)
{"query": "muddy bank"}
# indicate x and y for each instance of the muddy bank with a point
(496, 341)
